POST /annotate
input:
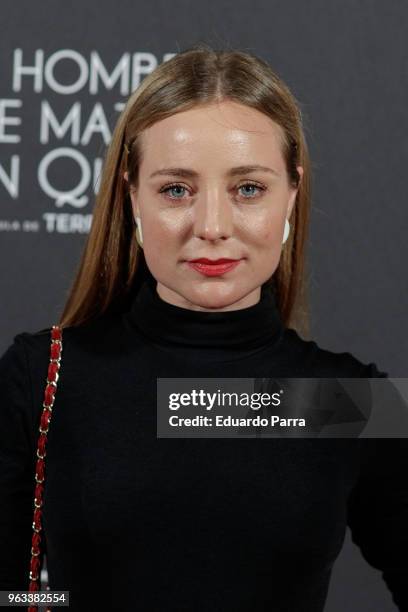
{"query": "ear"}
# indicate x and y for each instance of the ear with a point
(293, 195)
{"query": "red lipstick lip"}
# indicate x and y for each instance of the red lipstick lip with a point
(204, 260)
(214, 269)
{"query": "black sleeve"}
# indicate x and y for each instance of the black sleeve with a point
(378, 509)
(17, 468)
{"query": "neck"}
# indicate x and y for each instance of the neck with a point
(232, 331)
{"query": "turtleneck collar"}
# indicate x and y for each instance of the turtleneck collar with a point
(166, 324)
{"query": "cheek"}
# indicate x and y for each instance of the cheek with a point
(267, 227)
(271, 234)
(164, 225)
(159, 233)
(161, 244)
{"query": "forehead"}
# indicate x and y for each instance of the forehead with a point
(226, 131)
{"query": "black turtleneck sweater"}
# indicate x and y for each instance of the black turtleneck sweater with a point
(135, 522)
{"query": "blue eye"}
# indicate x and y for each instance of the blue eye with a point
(171, 187)
(253, 186)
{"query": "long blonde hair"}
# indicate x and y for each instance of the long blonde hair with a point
(113, 266)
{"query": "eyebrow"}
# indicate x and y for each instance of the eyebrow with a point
(236, 171)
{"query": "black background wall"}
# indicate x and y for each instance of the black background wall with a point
(345, 61)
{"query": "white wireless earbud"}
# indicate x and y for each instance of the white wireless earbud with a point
(139, 233)
(286, 231)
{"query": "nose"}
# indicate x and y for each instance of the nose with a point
(213, 216)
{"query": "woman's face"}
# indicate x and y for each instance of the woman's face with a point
(196, 200)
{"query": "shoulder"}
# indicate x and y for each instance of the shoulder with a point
(315, 360)
(25, 361)
(37, 343)
(27, 356)
(18, 413)
(30, 351)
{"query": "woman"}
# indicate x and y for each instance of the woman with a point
(209, 161)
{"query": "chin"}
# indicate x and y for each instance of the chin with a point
(215, 295)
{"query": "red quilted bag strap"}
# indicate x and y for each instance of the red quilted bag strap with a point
(48, 402)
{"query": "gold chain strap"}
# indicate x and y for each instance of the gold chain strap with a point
(48, 402)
